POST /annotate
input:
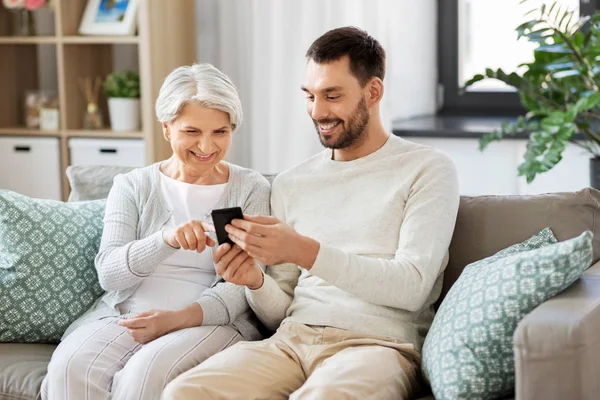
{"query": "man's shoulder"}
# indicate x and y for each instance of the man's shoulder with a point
(305, 167)
(422, 154)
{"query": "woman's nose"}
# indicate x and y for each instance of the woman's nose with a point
(205, 144)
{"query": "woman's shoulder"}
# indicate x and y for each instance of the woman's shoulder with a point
(139, 181)
(247, 177)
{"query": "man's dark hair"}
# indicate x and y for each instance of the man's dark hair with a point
(367, 57)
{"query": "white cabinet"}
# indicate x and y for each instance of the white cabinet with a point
(30, 166)
(494, 171)
(114, 152)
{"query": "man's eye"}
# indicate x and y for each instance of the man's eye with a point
(332, 97)
(310, 98)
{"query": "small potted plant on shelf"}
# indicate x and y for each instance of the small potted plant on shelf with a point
(559, 89)
(123, 92)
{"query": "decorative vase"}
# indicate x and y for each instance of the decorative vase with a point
(595, 173)
(124, 114)
(92, 119)
(23, 22)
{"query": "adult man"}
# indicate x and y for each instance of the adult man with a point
(355, 249)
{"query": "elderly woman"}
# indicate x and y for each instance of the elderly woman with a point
(165, 309)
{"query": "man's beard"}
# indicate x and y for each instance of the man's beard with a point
(354, 130)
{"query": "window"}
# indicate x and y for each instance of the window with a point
(477, 34)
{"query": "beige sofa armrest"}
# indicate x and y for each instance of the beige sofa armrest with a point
(557, 346)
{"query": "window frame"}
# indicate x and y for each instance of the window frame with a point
(477, 102)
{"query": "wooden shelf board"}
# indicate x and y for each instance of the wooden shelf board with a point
(20, 131)
(28, 40)
(100, 39)
(104, 134)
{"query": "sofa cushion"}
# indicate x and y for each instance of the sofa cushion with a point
(468, 352)
(22, 369)
(47, 274)
(92, 182)
(486, 224)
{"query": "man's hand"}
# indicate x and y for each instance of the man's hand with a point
(189, 236)
(150, 325)
(271, 242)
(236, 266)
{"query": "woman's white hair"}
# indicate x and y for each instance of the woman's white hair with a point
(200, 83)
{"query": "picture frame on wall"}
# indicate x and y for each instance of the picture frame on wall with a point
(109, 17)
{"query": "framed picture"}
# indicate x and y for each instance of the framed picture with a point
(109, 17)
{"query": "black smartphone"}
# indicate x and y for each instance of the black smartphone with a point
(222, 217)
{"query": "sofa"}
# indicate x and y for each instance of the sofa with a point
(556, 347)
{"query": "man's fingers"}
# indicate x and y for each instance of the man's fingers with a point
(253, 228)
(247, 247)
(261, 219)
(242, 235)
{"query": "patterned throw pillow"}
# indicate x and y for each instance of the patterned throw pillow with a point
(47, 274)
(468, 352)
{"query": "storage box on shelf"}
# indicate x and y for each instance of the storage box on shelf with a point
(58, 57)
(117, 152)
(30, 166)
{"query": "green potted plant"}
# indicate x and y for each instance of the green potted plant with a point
(559, 90)
(123, 92)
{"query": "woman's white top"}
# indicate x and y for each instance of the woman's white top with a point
(181, 278)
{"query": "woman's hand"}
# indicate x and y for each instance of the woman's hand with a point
(152, 324)
(189, 236)
(235, 265)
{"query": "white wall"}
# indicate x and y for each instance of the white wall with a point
(494, 171)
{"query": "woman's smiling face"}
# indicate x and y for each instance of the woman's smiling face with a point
(200, 137)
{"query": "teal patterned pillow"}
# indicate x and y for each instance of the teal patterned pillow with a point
(468, 352)
(47, 274)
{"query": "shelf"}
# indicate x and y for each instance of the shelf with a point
(28, 40)
(104, 134)
(26, 132)
(100, 39)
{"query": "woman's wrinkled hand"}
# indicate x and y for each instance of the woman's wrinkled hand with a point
(149, 325)
(189, 236)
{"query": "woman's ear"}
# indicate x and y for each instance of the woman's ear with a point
(166, 131)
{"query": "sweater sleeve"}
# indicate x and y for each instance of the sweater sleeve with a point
(405, 281)
(123, 260)
(225, 302)
(271, 301)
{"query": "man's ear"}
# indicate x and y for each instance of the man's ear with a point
(166, 131)
(375, 91)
